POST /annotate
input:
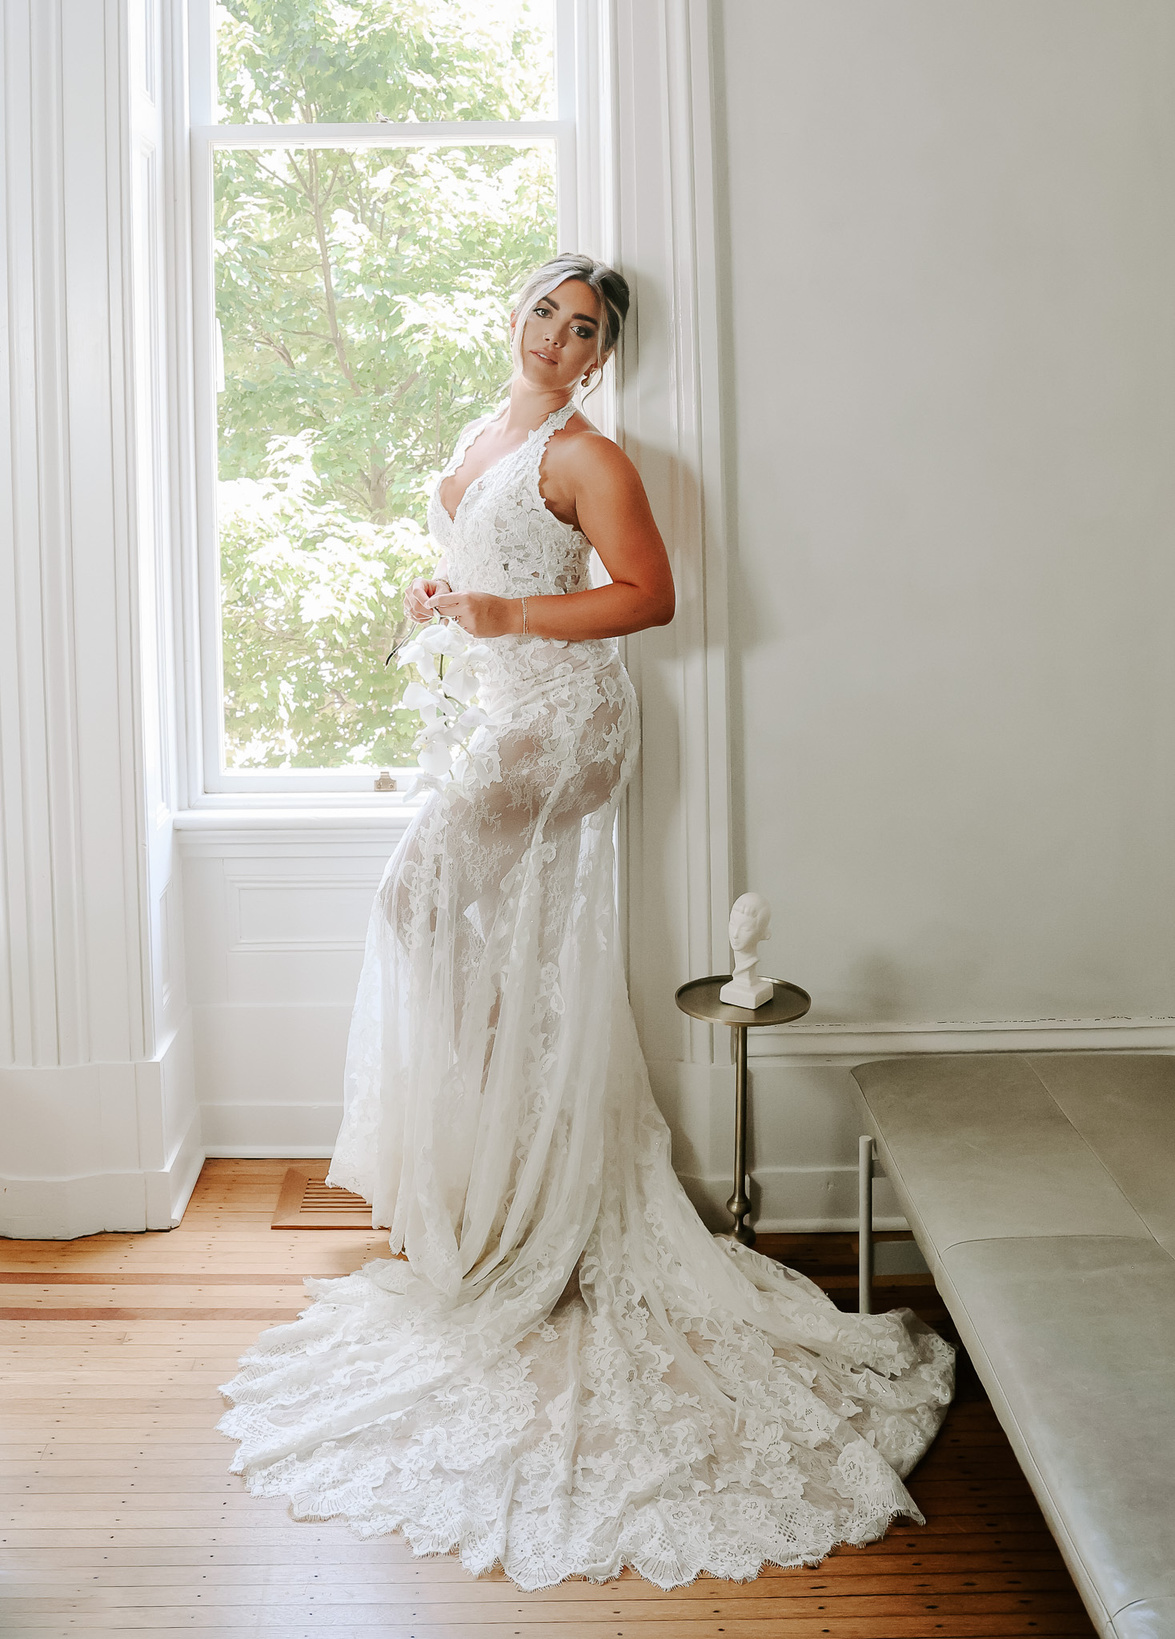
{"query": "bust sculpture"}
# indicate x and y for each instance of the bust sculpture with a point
(750, 922)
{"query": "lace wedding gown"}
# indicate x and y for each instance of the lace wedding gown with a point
(565, 1372)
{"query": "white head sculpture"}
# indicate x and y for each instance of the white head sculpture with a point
(749, 926)
(750, 922)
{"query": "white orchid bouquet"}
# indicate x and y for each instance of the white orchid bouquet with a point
(448, 661)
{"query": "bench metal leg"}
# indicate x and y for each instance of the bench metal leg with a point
(865, 1224)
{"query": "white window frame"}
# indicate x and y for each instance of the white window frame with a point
(580, 133)
(649, 178)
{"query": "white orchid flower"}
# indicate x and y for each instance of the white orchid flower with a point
(416, 697)
(461, 681)
(444, 734)
(435, 759)
(447, 703)
(444, 638)
(415, 654)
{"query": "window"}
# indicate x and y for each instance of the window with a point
(371, 180)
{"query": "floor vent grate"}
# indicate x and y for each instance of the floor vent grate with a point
(306, 1202)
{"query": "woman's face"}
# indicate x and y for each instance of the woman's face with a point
(560, 336)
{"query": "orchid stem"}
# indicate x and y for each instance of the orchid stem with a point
(396, 647)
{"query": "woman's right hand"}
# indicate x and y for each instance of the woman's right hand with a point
(415, 599)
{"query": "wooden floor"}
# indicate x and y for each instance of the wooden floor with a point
(119, 1515)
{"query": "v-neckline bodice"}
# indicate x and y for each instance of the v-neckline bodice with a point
(502, 537)
(464, 455)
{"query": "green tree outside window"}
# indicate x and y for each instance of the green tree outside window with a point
(362, 297)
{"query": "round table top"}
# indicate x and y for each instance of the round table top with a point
(699, 998)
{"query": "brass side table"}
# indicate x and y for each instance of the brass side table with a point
(699, 998)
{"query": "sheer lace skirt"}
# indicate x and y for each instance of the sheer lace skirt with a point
(478, 1050)
(565, 1372)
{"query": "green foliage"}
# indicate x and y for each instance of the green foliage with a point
(297, 62)
(362, 296)
(308, 583)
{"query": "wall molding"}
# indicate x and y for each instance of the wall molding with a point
(263, 907)
(296, 839)
(676, 859)
(853, 1043)
(99, 1126)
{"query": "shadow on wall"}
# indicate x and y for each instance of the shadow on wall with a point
(881, 987)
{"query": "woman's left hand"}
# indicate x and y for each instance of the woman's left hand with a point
(481, 614)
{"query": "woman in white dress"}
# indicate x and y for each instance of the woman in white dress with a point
(560, 1368)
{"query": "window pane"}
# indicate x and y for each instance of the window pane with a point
(294, 62)
(363, 301)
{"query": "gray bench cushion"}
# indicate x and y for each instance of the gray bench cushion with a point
(1146, 1619)
(1124, 1107)
(981, 1148)
(1037, 1187)
(1077, 1337)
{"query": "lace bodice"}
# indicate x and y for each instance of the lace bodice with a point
(503, 538)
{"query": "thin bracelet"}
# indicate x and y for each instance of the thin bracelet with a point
(523, 632)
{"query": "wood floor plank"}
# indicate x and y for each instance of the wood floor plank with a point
(351, 1558)
(242, 1514)
(329, 1603)
(253, 1620)
(223, 1585)
(266, 1314)
(151, 1471)
(90, 1497)
(178, 1277)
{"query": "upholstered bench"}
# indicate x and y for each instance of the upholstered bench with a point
(1041, 1190)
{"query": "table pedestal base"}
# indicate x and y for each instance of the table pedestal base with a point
(739, 1204)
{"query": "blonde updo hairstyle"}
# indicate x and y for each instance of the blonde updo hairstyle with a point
(610, 287)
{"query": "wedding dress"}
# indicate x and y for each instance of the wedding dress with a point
(564, 1372)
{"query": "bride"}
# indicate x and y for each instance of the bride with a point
(559, 1368)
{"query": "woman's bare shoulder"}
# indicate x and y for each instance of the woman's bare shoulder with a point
(581, 450)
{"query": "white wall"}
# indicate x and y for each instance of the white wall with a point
(917, 689)
(950, 412)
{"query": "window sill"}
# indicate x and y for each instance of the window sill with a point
(265, 827)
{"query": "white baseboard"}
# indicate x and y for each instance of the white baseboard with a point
(63, 1209)
(99, 1147)
(794, 1200)
(184, 1169)
(786, 1198)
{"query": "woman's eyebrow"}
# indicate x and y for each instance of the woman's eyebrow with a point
(586, 317)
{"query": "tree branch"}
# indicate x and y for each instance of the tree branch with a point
(328, 284)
